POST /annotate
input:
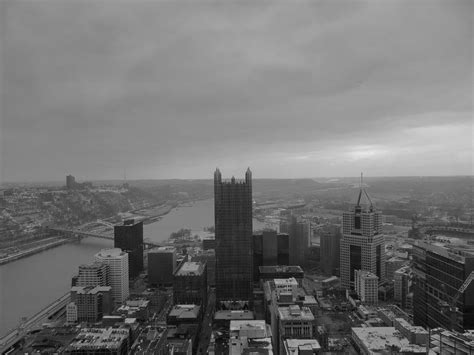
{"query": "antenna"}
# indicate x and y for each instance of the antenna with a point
(125, 174)
(361, 179)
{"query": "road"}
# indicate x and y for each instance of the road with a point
(206, 328)
(35, 321)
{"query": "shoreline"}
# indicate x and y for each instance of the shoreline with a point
(32, 251)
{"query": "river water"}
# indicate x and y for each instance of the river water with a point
(29, 284)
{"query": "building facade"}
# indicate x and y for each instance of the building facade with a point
(117, 261)
(367, 286)
(270, 248)
(402, 290)
(439, 272)
(299, 233)
(363, 243)
(95, 274)
(129, 238)
(190, 284)
(161, 266)
(92, 303)
(233, 229)
(330, 243)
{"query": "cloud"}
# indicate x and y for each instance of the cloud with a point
(164, 87)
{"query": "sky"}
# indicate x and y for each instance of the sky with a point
(173, 89)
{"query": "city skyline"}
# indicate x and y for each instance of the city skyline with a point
(172, 90)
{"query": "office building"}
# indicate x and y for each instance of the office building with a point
(299, 233)
(249, 337)
(362, 243)
(92, 303)
(281, 272)
(70, 182)
(270, 248)
(95, 274)
(117, 262)
(161, 266)
(367, 286)
(301, 347)
(114, 341)
(208, 257)
(129, 238)
(439, 272)
(383, 340)
(402, 290)
(392, 265)
(190, 284)
(295, 322)
(233, 229)
(330, 244)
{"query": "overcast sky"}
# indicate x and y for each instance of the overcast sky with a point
(174, 89)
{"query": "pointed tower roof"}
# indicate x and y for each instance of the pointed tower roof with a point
(362, 193)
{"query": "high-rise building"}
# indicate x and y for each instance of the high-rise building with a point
(439, 272)
(402, 288)
(269, 249)
(129, 238)
(70, 182)
(95, 274)
(161, 266)
(299, 233)
(330, 243)
(190, 284)
(92, 302)
(367, 286)
(362, 243)
(117, 261)
(233, 229)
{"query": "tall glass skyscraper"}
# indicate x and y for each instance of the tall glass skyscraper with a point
(233, 229)
(363, 243)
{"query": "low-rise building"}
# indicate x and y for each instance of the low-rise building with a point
(95, 341)
(184, 314)
(249, 337)
(295, 322)
(301, 347)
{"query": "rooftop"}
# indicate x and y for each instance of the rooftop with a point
(185, 311)
(165, 249)
(377, 339)
(82, 290)
(234, 315)
(111, 253)
(294, 346)
(295, 312)
(191, 268)
(99, 338)
(280, 268)
(286, 282)
(249, 328)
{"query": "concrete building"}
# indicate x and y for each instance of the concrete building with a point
(383, 340)
(249, 337)
(301, 347)
(446, 342)
(295, 322)
(184, 314)
(96, 341)
(92, 303)
(161, 266)
(362, 244)
(233, 230)
(299, 233)
(330, 244)
(270, 248)
(281, 272)
(95, 274)
(367, 286)
(208, 257)
(439, 271)
(403, 287)
(190, 284)
(70, 182)
(392, 265)
(71, 313)
(289, 285)
(117, 262)
(129, 238)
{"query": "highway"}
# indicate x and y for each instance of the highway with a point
(35, 321)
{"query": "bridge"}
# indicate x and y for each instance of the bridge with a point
(34, 322)
(76, 233)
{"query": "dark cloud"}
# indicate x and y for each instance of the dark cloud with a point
(174, 88)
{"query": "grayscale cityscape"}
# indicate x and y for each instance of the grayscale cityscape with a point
(236, 177)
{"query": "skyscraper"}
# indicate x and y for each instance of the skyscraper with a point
(299, 239)
(269, 249)
(117, 260)
(95, 274)
(129, 238)
(161, 265)
(233, 229)
(330, 243)
(362, 244)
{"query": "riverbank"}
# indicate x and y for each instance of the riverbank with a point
(45, 244)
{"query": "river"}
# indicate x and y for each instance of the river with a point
(29, 284)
